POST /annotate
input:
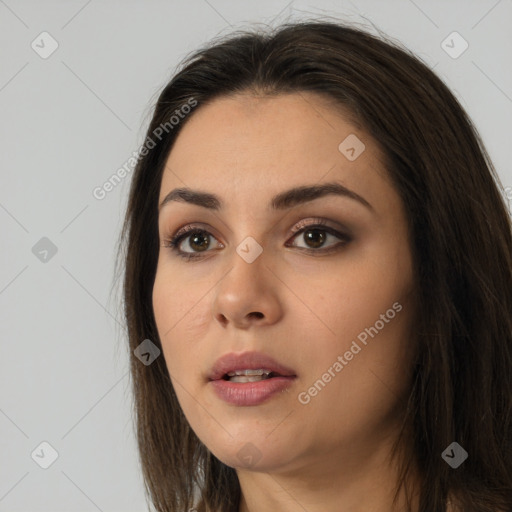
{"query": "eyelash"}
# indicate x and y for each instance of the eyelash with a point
(174, 242)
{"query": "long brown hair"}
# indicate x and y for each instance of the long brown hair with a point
(461, 247)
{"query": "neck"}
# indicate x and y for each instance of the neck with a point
(348, 480)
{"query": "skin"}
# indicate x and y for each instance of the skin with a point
(332, 453)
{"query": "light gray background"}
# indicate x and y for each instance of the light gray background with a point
(68, 122)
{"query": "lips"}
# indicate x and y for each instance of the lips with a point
(248, 361)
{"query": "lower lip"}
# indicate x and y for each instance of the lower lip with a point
(250, 393)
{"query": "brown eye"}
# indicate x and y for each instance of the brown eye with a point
(315, 238)
(200, 241)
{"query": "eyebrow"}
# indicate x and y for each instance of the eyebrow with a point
(282, 201)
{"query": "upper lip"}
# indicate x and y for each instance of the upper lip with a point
(247, 361)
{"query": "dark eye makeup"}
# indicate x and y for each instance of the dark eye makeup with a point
(317, 232)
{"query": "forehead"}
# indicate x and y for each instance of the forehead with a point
(250, 143)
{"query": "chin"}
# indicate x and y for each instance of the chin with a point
(249, 452)
(248, 458)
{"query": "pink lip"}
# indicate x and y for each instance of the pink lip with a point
(249, 393)
(247, 361)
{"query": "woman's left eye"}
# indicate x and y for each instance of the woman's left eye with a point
(314, 236)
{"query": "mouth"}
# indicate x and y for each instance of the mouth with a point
(250, 379)
(248, 367)
(250, 375)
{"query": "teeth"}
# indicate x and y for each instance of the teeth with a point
(249, 372)
(253, 378)
(248, 375)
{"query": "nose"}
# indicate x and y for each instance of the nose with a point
(248, 294)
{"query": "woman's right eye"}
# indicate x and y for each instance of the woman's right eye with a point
(196, 239)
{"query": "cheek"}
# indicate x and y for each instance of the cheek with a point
(168, 303)
(350, 299)
(181, 315)
(368, 302)
(177, 302)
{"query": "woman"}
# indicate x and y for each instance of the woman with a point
(316, 242)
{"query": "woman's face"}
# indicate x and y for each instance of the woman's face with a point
(331, 305)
